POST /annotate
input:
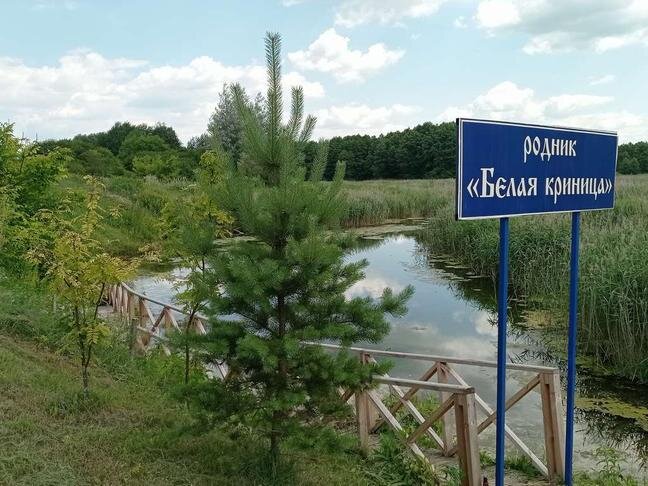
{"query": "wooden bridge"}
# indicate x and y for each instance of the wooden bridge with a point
(395, 398)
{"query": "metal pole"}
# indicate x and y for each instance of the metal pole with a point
(502, 307)
(571, 347)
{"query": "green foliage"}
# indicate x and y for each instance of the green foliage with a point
(522, 464)
(425, 151)
(633, 158)
(139, 143)
(146, 150)
(98, 161)
(286, 286)
(394, 466)
(194, 227)
(426, 404)
(376, 202)
(26, 179)
(113, 138)
(78, 271)
(130, 430)
(225, 129)
(609, 471)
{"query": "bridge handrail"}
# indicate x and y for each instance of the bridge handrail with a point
(376, 352)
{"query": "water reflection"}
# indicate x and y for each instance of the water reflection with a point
(452, 313)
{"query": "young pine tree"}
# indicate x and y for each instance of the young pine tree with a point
(287, 285)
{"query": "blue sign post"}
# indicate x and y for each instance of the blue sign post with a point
(514, 169)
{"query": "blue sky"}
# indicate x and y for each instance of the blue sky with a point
(367, 66)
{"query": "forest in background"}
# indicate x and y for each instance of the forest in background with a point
(426, 151)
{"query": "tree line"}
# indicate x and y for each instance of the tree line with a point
(426, 151)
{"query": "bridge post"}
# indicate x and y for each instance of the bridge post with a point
(446, 432)
(366, 413)
(362, 419)
(467, 441)
(142, 339)
(553, 424)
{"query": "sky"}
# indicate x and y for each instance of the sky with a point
(367, 66)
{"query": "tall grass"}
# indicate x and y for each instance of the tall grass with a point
(376, 202)
(614, 269)
(133, 209)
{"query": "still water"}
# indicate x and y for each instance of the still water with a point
(452, 313)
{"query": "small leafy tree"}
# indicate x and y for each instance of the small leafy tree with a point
(194, 227)
(78, 271)
(26, 178)
(225, 127)
(288, 285)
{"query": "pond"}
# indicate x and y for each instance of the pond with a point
(452, 313)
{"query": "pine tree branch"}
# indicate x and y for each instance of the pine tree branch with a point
(297, 112)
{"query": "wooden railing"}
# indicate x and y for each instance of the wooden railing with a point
(456, 396)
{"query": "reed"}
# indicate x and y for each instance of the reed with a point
(379, 201)
(614, 269)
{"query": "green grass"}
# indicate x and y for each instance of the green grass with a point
(134, 429)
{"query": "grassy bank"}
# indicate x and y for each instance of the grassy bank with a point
(614, 270)
(132, 430)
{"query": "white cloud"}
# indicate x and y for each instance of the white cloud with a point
(358, 12)
(460, 22)
(566, 25)
(508, 101)
(52, 4)
(606, 79)
(357, 118)
(372, 287)
(493, 14)
(330, 53)
(87, 92)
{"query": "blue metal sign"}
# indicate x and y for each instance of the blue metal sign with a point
(512, 169)
(509, 169)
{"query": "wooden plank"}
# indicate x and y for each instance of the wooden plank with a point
(411, 408)
(436, 415)
(553, 426)
(362, 419)
(460, 389)
(467, 441)
(513, 437)
(430, 357)
(391, 420)
(412, 391)
(346, 395)
(172, 319)
(157, 321)
(200, 326)
(446, 433)
(521, 393)
(372, 413)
